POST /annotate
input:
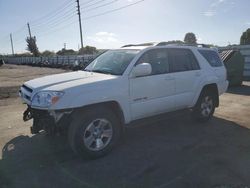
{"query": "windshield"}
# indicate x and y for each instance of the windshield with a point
(112, 62)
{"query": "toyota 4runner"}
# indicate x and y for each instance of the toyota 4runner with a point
(121, 86)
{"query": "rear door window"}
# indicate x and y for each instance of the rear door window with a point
(212, 57)
(182, 60)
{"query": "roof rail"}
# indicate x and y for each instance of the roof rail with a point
(183, 44)
(143, 44)
(166, 44)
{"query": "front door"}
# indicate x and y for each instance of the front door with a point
(153, 94)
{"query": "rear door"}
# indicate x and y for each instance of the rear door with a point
(186, 71)
(212, 57)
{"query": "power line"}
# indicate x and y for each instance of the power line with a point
(60, 28)
(93, 4)
(100, 6)
(87, 2)
(55, 22)
(58, 16)
(104, 13)
(59, 9)
(114, 10)
(68, 15)
(18, 32)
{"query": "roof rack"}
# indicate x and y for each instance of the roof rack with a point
(166, 44)
(143, 44)
(182, 44)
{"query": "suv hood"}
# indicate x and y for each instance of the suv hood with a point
(64, 78)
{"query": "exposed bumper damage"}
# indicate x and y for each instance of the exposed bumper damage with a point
(50, 121)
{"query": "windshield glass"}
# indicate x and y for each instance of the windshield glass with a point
(112, 62)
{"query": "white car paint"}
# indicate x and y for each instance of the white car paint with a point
(137, 97)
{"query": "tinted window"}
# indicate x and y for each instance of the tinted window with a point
(158, 59)
(182, 60)
(212, 57)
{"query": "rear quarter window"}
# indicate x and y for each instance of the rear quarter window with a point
(212, 57)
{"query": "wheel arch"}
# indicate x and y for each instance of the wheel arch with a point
(114, 106)
(213, 88)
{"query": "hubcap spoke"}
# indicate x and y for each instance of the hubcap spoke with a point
(89, 140)
(98, 134)
(206, 106)
(99, 143)
(91, 128)
(107, 133)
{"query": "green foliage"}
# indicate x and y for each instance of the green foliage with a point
(66, 52)
(31, 46)
(48, 53)
(26, 54)
(87, 50)
(245, 37)
(190, 38)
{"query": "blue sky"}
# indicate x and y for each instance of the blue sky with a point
(54, 22)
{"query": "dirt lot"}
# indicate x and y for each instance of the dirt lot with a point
(172, 152)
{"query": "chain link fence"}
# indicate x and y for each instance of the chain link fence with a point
(74, 62)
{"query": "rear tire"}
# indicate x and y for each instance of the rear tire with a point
(205, 107)
(94, 132)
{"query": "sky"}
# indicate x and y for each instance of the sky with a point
(55, 22)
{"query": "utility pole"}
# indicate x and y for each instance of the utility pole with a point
(80, 21)
(29, 29)
(64, 45)
(11, 41)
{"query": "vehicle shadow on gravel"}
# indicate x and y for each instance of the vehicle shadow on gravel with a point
(174, 152)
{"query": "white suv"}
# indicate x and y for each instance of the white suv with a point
(121, 86)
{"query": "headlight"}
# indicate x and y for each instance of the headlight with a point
(46, 98)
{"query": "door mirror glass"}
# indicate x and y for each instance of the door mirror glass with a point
(143, 69)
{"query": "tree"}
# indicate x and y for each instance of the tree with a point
(48, 53)
(245, 37)
(87, 50)
(64, 51)
(31, 46)
(26, 54)
(190, 38)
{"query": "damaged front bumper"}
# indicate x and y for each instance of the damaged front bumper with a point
(50, 121)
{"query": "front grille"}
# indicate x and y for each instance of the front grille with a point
(27, 88)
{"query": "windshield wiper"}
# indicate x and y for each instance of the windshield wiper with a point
(87, 70)
(101, 71)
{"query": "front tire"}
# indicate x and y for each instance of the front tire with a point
(94, 132)
(205, 107)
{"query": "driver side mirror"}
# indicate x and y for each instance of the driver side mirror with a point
(143, 69)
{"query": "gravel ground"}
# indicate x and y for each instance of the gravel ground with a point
(171, 152)
(13, 76)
